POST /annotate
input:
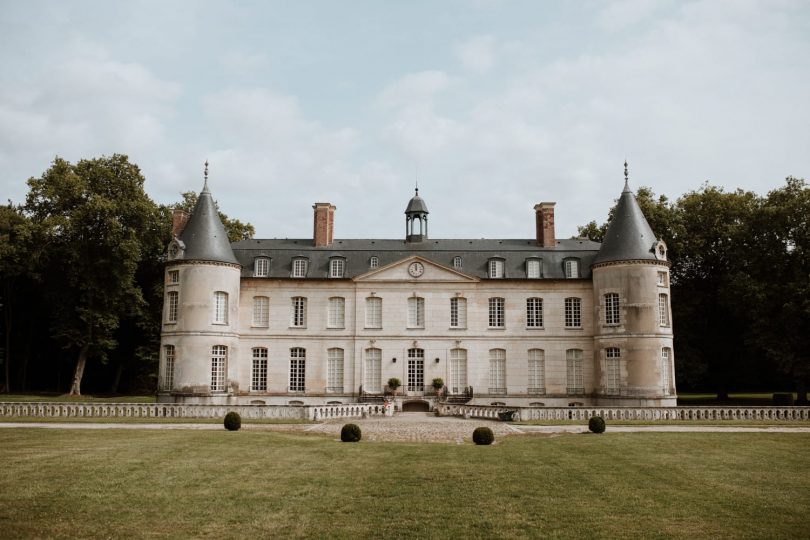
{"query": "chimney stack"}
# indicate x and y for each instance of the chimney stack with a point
(323, 224)
(179, 219)
(544, 213)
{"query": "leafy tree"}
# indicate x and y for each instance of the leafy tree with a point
(94, 219)
(236, 229)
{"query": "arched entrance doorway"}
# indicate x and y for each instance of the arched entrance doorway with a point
(416, 406)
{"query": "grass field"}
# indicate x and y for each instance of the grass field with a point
(180, 484)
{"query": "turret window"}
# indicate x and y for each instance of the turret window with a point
(337, 268)
(299, 268)
(219, 357)
(220, 307)
(261, 267)
(663, 310)
(174, 277)
(612, 308)
(666, 370)
(612, 369)
(533, 268)
(171, 308)
(168, 367)
(573, 313)
(571, 268)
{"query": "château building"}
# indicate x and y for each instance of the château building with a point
(522, 322)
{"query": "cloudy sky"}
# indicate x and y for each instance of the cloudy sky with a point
(493, 105)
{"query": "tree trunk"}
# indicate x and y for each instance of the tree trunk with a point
(75, 387)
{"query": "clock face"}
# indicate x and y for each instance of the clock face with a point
(416, 269)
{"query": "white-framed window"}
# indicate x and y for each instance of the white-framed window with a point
(416, 312)
(337, 268)
(373, 312)
(572, 268)
(612, 370)
(573, 313)
(298, 369)
(171, 310)
(168, 367)
(261, 311)
(261, 267)
(663, 310)
(298, 317)
(416, 370)
(662, 279)
(496, 313)
(336, 317)
(220, 307)
(458, 370)
(495, 268)
(219, 358)
(457, 262)
(334, 370)
(666, 370)
(573, 371)
(533, 268)
(612, 308)
(497, 371)
(299, 267)
(174, 277)
(537, 371)
(258, 373)
(534, 313)
(458, 312)
(374, 262)
(372, 381)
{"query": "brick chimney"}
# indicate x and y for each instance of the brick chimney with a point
(179, 219)
(544, 213)
(323, 224)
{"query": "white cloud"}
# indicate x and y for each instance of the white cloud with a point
(477, 54)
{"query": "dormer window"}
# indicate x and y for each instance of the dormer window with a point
(300, 267)
(457, 262)
(374, 262)
(496, 269)
(261, 267)
(337, 267)
(533, 268)
(571, 268)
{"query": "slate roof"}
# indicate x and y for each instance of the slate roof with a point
(629, 236)
(475, 255)
(416, 204)
(204, 235)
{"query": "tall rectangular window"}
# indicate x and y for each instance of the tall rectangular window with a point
(336, 268)
(496, 313)
(258, 375)
(261, 267)
(171, 311)
(495, 268)
(611, 308)
(219, 357)
(336, 318)
(174, 277)
(334, 370)
(416, 312)
(612, 369)
(458, 312)
(168, 367)
(537, 371)
(416, 370)
(261, 311)
(298, 317)
(573, 313)
(573, 371)
(373, 376)
(298, 369)
(534, 312)
(666, 370)
(571, 268)
(373, 312)
(662, 279)
(458, 370)
(663, 310)
(220, 307)
(497, 371)
(299, 268)
(533, 268)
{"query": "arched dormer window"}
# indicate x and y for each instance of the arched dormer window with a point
(534, 268)
(571, 268)
(495, 268)
(261, 267)
(374, 262)
(457, 263)
(337, 267)
(300, 267)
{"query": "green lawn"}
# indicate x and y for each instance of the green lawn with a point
(180, 484)
(76, 399)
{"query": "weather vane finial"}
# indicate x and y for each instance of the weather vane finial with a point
(626, 177)
(205, 176)
(416, 179)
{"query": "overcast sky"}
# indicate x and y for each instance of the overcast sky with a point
(494, 105)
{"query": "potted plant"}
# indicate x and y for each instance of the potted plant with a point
(394, 384)
(438, 384)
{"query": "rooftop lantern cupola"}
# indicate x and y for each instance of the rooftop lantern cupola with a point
(416, 219)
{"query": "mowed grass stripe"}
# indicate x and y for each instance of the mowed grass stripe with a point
(117, 483)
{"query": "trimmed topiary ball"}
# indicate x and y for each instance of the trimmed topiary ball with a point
(233, 421)
(596, 424)
(350, 433)
(483, 435)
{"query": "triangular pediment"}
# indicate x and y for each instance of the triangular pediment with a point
(416, 269)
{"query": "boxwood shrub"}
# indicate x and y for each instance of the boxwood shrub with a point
(350, 433)
(483, 435)
(596, 424)
(233, 421)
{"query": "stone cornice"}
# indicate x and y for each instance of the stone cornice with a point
(632, 261)
(178, 262)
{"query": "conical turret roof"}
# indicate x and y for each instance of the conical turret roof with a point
(629, 236)
(416, 205)
(204, 235)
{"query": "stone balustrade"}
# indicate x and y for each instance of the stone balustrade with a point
(347, 410)
(647, 414)
(149, 410)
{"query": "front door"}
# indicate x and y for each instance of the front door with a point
(416, 371)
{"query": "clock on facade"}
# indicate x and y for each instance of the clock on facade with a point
(416, 269)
